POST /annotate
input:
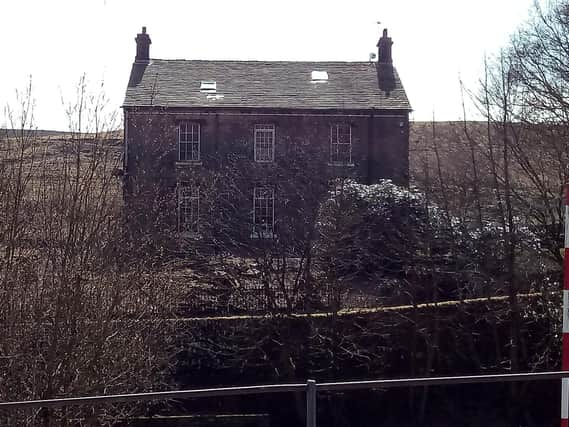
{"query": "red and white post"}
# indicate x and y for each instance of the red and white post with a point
(565, 348)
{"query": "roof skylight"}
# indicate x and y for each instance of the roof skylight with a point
(319, 76)
(214, 97)
(208, 86)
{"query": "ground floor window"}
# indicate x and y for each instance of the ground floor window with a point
(263, 212)
(188, 208)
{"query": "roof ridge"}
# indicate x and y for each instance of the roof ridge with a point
(263, 61)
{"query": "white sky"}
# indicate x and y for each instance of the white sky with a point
(56, 41)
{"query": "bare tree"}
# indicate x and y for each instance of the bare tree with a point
(80, 315)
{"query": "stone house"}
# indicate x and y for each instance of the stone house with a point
(245, 142)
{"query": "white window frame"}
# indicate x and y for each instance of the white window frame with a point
(263, 207)
(264, 143)
(337, 145)
(189, 142)
(188, 208)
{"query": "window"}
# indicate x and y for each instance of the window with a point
(189, 142)
(263, 212)
(341, 143)
(188, 208)
(264, 143)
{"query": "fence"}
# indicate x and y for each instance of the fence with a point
(311, 388)
(257, 300)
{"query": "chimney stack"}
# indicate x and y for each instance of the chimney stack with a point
(384, 49)
(385, 73)
(142, 46)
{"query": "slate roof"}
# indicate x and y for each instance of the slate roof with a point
(262, 84)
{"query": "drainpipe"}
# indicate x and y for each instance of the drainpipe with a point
(370, 153)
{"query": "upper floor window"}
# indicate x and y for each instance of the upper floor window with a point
(264, 143)
(263, 212)
(341, 143)
(189, 142)
(188, 208)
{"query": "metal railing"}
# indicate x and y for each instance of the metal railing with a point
(311, 388)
